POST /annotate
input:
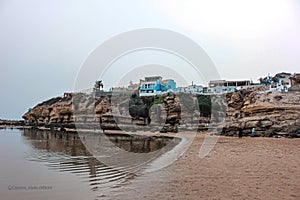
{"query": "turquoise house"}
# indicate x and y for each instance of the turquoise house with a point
(155, 85)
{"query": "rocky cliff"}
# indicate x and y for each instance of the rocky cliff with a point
(268, 112)
(11, 123)
(90, 110)
(56, 112)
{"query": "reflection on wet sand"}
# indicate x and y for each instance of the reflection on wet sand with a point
(65, 152)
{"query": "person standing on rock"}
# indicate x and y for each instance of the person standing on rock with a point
(253, 132)
(240, 132)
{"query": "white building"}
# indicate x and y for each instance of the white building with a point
(283, 79)
(194, 89)
(223, 86)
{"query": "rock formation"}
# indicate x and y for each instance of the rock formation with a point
(270, 113)
(11, 123)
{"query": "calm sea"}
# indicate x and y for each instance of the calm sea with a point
(44, 165)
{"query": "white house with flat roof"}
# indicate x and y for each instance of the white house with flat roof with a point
(223, 86)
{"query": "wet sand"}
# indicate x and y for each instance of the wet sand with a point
(246, 168)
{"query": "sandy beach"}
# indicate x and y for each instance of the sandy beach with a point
(236, 168)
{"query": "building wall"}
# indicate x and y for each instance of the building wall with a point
(223, 89)
(284, 79)
(223, 86)
(152, 85)
(171, 85)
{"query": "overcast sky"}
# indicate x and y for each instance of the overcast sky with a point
(44, 43)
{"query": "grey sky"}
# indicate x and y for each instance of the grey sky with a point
(44, 43)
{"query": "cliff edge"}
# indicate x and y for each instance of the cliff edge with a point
(270, 113)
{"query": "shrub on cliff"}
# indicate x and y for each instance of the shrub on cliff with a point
(205, 105)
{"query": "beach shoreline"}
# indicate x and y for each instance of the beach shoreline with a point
(236, 168)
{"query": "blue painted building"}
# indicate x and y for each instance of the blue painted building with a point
(156, 85)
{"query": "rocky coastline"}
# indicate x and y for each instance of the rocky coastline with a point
(269, 113)
(11, 123)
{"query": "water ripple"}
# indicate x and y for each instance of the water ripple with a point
(65, 153)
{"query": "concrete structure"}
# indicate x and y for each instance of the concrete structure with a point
(168, 84)
(283, 79)
(295, 82)
(215, 83)
(295, 79)
(194, 89)
(134, 87)
(223, 86)
(155, 85)
(279, 82)
(119, 89)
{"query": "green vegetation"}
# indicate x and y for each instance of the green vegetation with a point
(135, 100)
(98, 85)
(205, 105)
(159, 100)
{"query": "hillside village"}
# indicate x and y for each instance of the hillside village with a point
(155, 85)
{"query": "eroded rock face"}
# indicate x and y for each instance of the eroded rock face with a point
(56, 111)
(268, 112)
(173, 110)
(4, 123)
